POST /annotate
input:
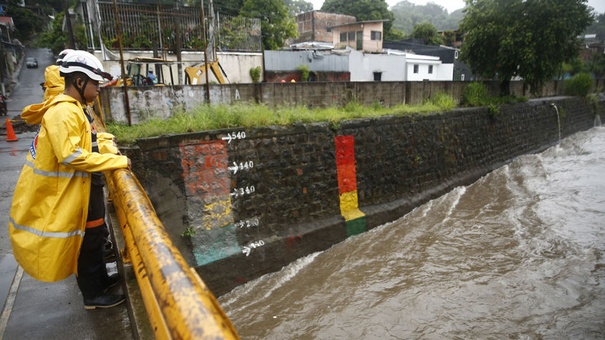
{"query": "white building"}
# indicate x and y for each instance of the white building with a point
(397, 66)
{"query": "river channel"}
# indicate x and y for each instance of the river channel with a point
(516, 255)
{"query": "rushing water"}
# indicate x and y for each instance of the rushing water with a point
(516, 255)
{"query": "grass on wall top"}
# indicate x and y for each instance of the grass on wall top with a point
(206, 117)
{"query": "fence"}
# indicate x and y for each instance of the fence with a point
(155, 27)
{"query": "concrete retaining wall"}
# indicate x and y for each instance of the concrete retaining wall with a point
(242, 203)
(164, 101)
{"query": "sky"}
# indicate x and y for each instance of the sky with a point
(452, 5)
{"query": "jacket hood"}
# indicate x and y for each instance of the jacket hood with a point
(32, 114)
(54, 84)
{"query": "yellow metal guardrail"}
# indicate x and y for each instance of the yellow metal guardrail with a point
(178, 303)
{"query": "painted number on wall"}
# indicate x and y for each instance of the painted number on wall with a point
(239, 192)
(247, 249)
(253, 222)
(234, 136)
(241, 166)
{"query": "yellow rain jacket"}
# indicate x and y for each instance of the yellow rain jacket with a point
(50, 204)
(54, 85)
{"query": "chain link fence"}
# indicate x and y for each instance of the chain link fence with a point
(164, 27)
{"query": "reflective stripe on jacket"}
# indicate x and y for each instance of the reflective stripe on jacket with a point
(50, 203)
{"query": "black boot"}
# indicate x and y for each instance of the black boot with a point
(111, 281)
(104, 301)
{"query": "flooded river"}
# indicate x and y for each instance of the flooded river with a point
(516, 255)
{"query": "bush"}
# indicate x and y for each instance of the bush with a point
(579, 85)
(255, 74)
(475, 94)
(304, 72)
(444, 101)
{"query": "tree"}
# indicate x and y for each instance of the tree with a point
(276, 24)
(227, 7)
(598, 27)
(525, 38)
(363, 10)
(298, 6)
(27, 23)
(427, 32)
(408, 15)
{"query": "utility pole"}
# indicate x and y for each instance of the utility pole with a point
(178, 47)
(70, 32)
(124, 80)
(3, 70)
(205, 54)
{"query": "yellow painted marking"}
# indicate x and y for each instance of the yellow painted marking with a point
(349, 207)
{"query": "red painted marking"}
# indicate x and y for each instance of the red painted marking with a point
(292, 241)
(345, 163)
(205, 169)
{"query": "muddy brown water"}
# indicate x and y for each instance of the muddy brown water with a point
(516, 255)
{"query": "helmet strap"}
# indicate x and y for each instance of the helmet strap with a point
(81, 89)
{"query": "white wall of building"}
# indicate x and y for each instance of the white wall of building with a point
(236, 65)
(363, 65)
(398, 67)
(445, 72)
(422, 67)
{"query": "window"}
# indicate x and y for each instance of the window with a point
(352, 36)
(430, 69)
(376, 35)
(343, 36)
(415, 68)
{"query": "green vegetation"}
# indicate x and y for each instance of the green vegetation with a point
(56, 39)
(298, 6)
(304, 72)
(502, 42)
(476, 94)
(27, 23)
(255, 74)
(579, 85)
(250, 115)
(408, 15)
(189, 232)
(277, 25)
(428, 33)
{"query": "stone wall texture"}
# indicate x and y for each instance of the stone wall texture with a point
(241, 203)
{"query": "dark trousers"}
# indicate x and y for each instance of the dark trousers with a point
(92, 273)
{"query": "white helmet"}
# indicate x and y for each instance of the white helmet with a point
(63, 54)
(82, 61)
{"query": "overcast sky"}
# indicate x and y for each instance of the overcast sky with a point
(452, 5)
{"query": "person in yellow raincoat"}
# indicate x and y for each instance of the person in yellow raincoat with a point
(57, 216)
(53, 82)
(54, 85)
